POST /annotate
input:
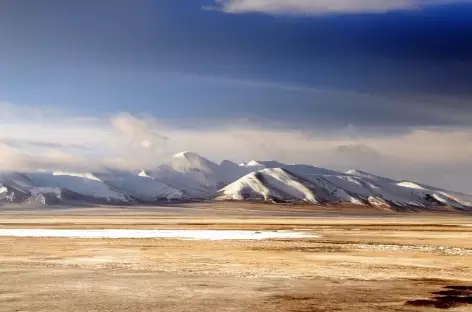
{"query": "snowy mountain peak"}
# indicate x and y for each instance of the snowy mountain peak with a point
(188, 161)
(144, 173)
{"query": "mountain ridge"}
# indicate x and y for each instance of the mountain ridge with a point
(189, 176)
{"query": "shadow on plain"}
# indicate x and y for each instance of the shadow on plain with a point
(447, 298)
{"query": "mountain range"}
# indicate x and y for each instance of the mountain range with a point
(188, 176)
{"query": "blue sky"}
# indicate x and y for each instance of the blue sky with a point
(154, 56)
(383, 68)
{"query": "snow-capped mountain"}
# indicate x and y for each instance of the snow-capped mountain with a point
(310, 184)
(52, 187)
(188, 176)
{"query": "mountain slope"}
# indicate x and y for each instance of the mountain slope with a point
(197, 177)
(293, 183)
(188, 176)
(268, 184)
(59, 186)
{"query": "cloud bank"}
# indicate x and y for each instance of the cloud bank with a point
(436, 156)
(315, 7)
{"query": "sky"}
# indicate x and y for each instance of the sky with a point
(380, 85)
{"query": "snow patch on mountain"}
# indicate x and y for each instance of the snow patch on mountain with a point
(411, 185)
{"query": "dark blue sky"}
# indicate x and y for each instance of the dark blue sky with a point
(174, 60)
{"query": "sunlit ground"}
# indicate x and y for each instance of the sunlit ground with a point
(356, 260)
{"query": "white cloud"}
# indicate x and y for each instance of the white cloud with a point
(359, 152)
(315, 7)
(17, 159)
(143, 132)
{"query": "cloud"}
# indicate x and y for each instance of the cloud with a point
(138, 132)
(138, 141)
(358, 151)
(316, 7)
(370, 108)
(44, 140)
(39, 144)
(16, 159)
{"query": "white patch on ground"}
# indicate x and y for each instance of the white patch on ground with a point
(178, 234)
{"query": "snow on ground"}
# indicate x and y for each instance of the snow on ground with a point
(178, 234)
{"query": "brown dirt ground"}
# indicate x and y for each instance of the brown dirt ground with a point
(363, 261)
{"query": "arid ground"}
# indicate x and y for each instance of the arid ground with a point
(363, 260)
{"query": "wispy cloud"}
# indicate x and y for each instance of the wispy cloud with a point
(315, 7)
(423, 108)
(23, 160)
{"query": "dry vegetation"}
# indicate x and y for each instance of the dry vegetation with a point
(363, 261)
